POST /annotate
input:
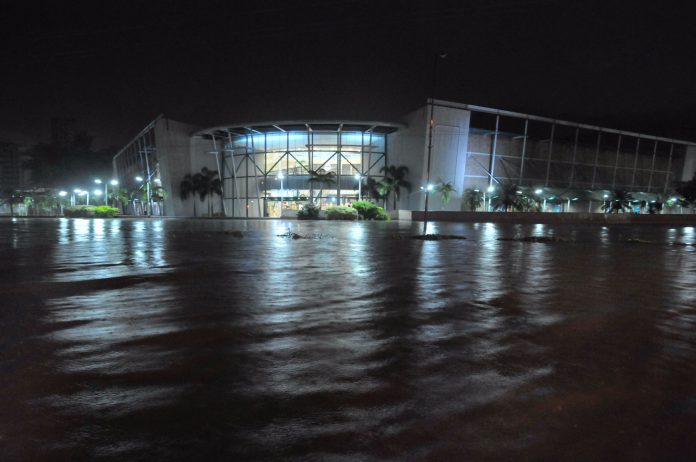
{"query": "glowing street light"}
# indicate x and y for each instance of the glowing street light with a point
(139, 179)
(538, 191)
(63, 193)
(114, 182)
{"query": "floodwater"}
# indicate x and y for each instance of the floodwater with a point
(184, 340)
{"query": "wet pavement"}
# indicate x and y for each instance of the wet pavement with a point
(220, 340)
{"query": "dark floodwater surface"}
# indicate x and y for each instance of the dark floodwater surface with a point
(181, 340)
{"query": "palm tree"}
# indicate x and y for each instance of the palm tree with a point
(321, 179)
(619, 202)
(473, 198)
(395, 177)
(11, 197)
(371, 189)
(444, 189)
(189, 186)
(508, 199)
(208, 184)
(122, 196)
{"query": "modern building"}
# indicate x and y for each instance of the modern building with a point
(268, 169)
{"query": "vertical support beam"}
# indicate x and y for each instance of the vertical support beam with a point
(524, 151)
(235, 194)
(596, 159)
(616, 163)
(652, 166)
(491, 162)
(575, 153)
(669, 169)
(222, 183)
(635, 164)
(548, 161)
(252, 158)
(338, 167)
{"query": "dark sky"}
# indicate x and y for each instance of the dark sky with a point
(115, 65)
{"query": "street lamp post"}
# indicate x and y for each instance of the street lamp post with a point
(99, 181)
(358, 177)
(147, 191)
(430, 138)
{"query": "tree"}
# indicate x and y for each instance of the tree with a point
(687, 189)
(371, 189)
(321, 179)
(619, 202)
(122, 196)
(189, 186)
(508, 199)
(444, 189)
(11, 198)
(473, 198)
(208, 183)
(394, 180)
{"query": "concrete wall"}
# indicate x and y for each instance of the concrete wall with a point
(173, 141)
(556, 218)
(409, 147)
(689, 169)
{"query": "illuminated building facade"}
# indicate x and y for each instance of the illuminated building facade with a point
(270, 169)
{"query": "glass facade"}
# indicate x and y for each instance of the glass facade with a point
(138, 159)
(539, 153)
(267, 170)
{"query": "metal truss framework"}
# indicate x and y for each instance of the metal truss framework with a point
(255, 162)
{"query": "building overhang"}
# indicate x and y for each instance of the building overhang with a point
(223, 131)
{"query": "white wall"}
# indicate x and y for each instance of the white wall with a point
(409, 147)
(689, 164)
(173, 153)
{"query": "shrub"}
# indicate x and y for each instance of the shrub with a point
(341, 212)
(309, 211)
(370, 211)
(89, 211)
(104, 211)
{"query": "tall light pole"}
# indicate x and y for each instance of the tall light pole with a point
(431, 124)
(98, 181)
(139, 179)
(358, 177)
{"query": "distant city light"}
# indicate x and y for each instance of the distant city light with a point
(97, 192)
(538, 191)
(77, 191)
(63, 193)
(98, 181)
(114, 182)
(491, 188)
(138, 178)
(606, 195)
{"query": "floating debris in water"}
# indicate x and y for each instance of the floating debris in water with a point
(541, 239)
(436, 237)
(633, 240)
(290, 235)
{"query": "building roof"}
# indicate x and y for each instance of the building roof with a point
(222, 131)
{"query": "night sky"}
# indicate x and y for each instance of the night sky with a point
(115, 65)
